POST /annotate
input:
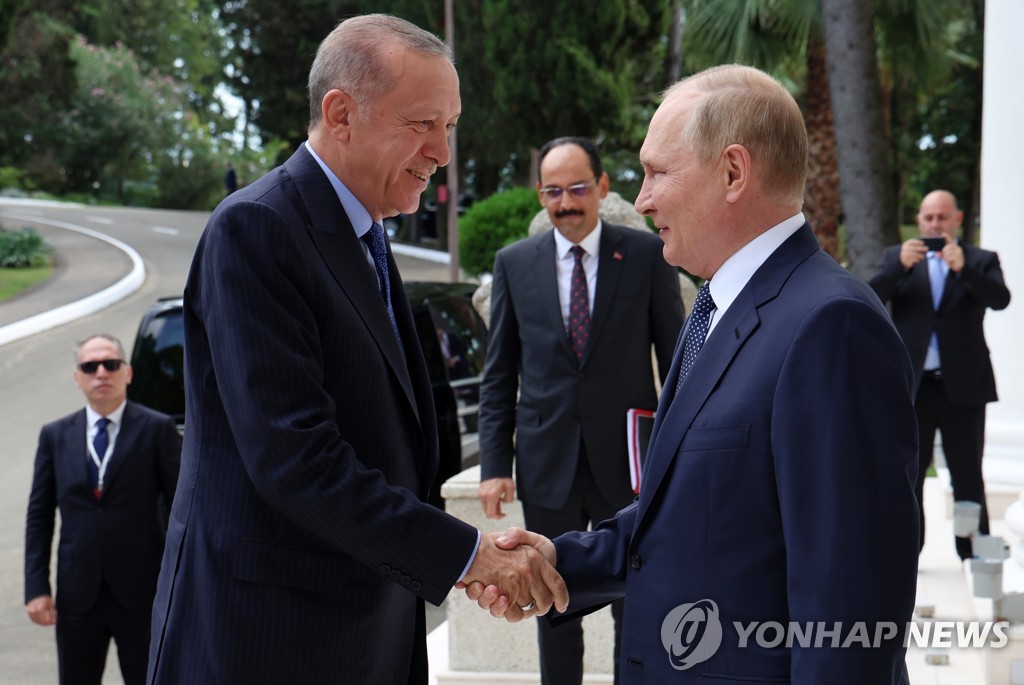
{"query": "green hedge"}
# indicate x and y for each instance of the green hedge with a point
(22, 248)
(493, 223)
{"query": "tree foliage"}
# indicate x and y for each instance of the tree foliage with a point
(529, 71)
(491, 224)
(785, 37)
(271, 47)
(120, 120)
(179, 38)
(37, 81)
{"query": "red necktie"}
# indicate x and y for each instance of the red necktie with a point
(579, 306)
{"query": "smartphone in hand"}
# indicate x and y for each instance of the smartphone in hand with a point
(934, 244)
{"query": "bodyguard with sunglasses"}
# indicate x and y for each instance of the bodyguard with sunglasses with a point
(575, 315)
(111, 468)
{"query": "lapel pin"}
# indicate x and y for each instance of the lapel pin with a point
(617, 256)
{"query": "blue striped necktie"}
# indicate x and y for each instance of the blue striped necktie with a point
(379, 250)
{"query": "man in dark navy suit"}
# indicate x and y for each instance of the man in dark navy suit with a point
(111, 469)
(302, 549)
(939, 295)
(779, 485)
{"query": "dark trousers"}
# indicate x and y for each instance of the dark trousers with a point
(561, 648)
(963, 441)
(419, 672)
(83, 641)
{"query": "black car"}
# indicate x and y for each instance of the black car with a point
(451, 333)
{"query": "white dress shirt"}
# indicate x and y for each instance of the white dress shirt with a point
(91, 429)
(738, 269)
(565, 262)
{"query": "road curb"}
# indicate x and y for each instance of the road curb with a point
(87, 305)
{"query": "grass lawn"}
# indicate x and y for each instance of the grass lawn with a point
(13, 281)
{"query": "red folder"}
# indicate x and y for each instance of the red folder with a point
(639, 424)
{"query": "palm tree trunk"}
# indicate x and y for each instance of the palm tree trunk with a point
(866, 188)
(822, 204)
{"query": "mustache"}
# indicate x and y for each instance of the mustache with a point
(567, 212)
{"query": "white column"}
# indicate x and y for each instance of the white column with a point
(1002, 230)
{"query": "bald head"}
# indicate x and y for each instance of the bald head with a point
(939, 215)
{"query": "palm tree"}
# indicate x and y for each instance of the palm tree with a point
(787, 38)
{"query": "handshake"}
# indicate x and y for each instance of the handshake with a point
(513, 576)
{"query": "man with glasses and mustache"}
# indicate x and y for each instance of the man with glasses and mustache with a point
(111, 469)
(574, 315)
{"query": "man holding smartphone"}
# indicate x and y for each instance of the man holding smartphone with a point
(939, 290)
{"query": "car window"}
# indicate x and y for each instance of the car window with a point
(463, 344)
(158, 364)
(462, 335)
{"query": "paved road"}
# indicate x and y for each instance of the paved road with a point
(37, 387)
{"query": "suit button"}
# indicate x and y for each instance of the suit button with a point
(385, 569)
(405, 580)
(636, 562)
(415, 586)
(395, 574)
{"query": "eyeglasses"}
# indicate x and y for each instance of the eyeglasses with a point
(108, 364)
(554, 193)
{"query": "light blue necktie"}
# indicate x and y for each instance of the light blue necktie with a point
(700, 321)
(379, 251)
(937, 279)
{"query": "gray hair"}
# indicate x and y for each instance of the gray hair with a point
(744, 105)
(103, 336)
(352, 58)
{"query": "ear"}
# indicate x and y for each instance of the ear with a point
(602, 185)
(338, 110)
(736, 168)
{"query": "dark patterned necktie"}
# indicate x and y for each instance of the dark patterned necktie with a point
(700, 319)
(100, 443)
(379, 251)
(579, 306)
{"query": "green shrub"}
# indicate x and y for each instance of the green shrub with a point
(12, 177)
(493, 223)
(22, 248)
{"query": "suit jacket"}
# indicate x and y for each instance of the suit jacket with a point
(562, 401)
(301, 546)
(779, 485)
(118, 539)
(966, 366)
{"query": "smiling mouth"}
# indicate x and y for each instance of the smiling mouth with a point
(420, 175)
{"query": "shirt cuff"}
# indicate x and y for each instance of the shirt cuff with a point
(472, 557)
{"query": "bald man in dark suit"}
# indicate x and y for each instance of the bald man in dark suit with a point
(939, 295)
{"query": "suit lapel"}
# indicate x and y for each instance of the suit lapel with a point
(675, 417)
(335, 239)
(78, 453)
(953, 287)
(127, 434)
(609, 268)
(547, 286)
(675, 414)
